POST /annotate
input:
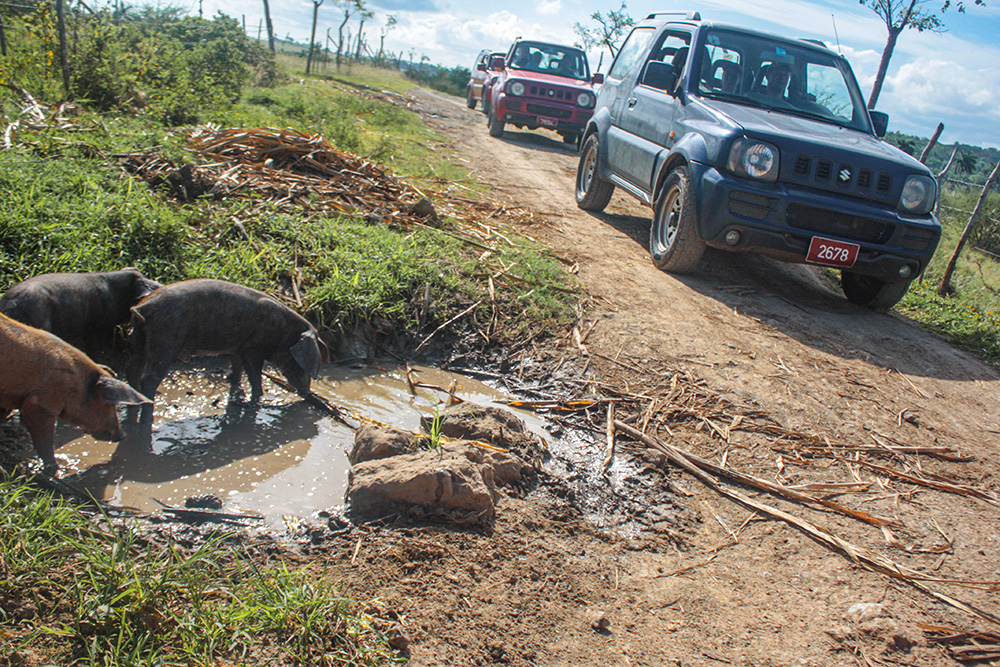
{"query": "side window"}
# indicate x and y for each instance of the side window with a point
(672, 48)
(630, 52)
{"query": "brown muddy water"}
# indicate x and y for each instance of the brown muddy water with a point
(285, 460)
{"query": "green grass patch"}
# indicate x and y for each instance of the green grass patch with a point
(76, 591)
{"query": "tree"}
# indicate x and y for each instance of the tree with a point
(312, 37)
(967, 164)
(390, 23)
(609, 31)
(349, 9)
(898, 15)
(365, 14)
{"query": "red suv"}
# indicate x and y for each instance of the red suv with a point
(541, 85)
(481, 73)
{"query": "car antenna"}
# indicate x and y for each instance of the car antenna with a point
(834, 19)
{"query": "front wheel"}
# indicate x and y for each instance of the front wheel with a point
(872, 292)
(470, 101)
(592, 192)
(495, 124)
(673, 237)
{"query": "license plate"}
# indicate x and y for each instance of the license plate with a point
(548, 122)
(831, 252)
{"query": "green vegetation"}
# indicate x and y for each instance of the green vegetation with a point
(115, 598)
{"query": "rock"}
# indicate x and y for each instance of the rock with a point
(492, 425)
(455, 482)
(863, 612)
(598, 621)
(205, 502)
(424, 209)
(373, 442)
(840, 633)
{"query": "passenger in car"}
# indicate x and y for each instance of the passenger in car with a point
(776, 78)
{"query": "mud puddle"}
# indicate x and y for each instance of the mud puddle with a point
(284, 458)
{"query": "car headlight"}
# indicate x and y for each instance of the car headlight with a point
(516, 88)
(754, 159)
(919, 194)
(584, 99)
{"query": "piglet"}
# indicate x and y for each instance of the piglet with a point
(204, 317)
(81, 308)
(46, 379)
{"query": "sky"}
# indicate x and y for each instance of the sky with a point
(951, 77)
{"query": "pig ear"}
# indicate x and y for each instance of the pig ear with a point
(307, 353)
(145, 287)
(110, 390)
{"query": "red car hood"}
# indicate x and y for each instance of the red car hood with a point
(549, 79)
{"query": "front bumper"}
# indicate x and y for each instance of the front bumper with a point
(780, 220)
(537, 112)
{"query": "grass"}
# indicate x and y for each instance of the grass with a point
(79, 591)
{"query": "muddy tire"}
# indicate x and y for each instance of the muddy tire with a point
(495, 124)
(592, 192)
(872, 292)
(673, 237)
(470, 101)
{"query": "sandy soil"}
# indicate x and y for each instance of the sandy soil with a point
(770, 359)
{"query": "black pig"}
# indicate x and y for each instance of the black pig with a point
(205, 317)
(81, 308)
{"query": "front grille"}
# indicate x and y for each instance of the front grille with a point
(554, 112)
(749, 205)
(822, 221)
(550, 93)
(824, 172)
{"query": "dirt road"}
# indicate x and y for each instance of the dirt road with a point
(730, 585)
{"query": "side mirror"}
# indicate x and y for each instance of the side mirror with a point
(659, 75)
(597, 78)
(481, 67)
(880, 121)
(496, 62)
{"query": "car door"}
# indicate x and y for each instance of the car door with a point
(647, 114)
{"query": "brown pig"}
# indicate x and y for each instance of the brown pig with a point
(204, 317)
(47, 379)
(81, 308)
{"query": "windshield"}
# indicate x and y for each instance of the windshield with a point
(754, 70)
(551, 59)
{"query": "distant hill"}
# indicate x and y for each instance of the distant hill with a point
(983, 162)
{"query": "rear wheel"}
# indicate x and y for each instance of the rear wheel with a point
(872, 292)
(495, 124)
(673, 237)
(592, 192)
(470, 101)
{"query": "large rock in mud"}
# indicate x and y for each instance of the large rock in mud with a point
(456, 482)
(492, 425)
(373, 442)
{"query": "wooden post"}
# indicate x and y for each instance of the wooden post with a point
(933, 142)
(63, 54)
(945, 285)
(270, 28)
(3, 38)
(940, 179)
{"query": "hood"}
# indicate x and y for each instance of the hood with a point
(548, 79)
(799, 134)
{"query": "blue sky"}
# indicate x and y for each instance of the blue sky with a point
(952, 77)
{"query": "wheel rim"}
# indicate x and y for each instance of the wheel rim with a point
(669, 220)
(589, 166)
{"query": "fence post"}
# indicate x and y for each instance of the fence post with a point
(63, 55)
(270, 28)
(3, 39)
(945, 285)
(930, 144)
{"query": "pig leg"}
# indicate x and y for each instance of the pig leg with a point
(235, 390)
(254, 366)
(152, 376)
(41, 425)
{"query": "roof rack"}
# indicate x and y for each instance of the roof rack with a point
(690, 16)
(814, 41)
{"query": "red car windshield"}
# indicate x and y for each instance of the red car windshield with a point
(551, 59)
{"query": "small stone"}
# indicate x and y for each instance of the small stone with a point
(599, 621)
(206, 502)
(865, 611)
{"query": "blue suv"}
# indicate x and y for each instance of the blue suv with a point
(748, 141)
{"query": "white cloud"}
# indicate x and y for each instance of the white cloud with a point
(549, 7)
(936, 89)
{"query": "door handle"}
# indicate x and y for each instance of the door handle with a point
(631, 102)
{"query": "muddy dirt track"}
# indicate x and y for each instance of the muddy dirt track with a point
(721, 583)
